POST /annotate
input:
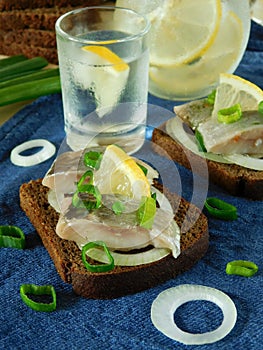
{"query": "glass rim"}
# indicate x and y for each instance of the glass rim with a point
(129, 37)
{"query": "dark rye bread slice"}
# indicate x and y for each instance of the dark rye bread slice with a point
(9, 5)
(40, 18)
(235, 179)
(29, 37)
(29, 51)
(122, 280)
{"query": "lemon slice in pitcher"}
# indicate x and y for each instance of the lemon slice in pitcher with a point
(120, 174)
(104, 75)
(183, 31)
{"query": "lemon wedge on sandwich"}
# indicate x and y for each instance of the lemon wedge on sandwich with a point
(232, 90)
(120, 174)
(104, 75)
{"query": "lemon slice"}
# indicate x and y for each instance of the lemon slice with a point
(233, 89)
(183, 31)
(119, 174)
(222, 56)
(105, 76)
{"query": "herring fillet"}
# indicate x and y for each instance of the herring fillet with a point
(244, 136)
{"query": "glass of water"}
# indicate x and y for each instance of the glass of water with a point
(103, 60)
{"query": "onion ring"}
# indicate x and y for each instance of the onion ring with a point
(47, 151)
(164, 306)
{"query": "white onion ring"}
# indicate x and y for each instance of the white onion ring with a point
(164, 306)
(125, 259)
(47, 151)
(246, 161)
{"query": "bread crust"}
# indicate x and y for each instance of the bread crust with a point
(235, 179)
(121, 280)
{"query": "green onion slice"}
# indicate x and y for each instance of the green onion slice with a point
(100, 267)
(86, 178)
(241, 268)
(118, 207)
(211, 98)
(220, 209)
(200, 141)
(229, 115)
(260, 107)
(31, 289)
(146, 212)
(92, 159)
(144, 169)
(12, 237)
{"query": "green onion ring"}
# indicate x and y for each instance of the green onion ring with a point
(12, 237)
(220, 209)
(241, 268)
(229, 115)
(101, 267)
(260, 107)
(92, 159)
(33, 289)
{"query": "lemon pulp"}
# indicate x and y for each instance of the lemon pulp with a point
(104, 75)
(120, 174)
(233, 89)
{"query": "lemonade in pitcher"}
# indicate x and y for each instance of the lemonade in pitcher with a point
(192, 42)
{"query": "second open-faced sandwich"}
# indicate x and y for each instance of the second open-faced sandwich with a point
(225, 129)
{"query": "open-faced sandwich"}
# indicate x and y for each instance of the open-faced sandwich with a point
(110, 227)
(226, 129)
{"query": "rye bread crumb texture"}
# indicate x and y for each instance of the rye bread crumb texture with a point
(28, 26)
(235, 179)
(122, 280)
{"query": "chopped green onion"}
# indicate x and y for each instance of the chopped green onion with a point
(241, 268)
(23, 67)
(145, 170)
(94, 267)
(36, 75)
(220, 209)
(12, 237)
(260, 107)
(29, 90)
(146, 212)
(88, 175)
(200, 141)
(229, 115)
(154, 195)
(211, 98)
(32, 289)
(118, 207)
(92, 159)
(5, 62)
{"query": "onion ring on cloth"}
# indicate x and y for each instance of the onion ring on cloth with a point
(166, 303)
(47, 151)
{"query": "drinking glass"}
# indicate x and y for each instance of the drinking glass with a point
(103, 60)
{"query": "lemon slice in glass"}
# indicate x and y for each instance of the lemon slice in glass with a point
(183, 31)
(233, 89)
(105, 76)
(119, 174)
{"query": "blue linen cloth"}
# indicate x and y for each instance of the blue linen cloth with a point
(124, 323)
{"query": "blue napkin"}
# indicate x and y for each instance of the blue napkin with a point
(124, 323)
